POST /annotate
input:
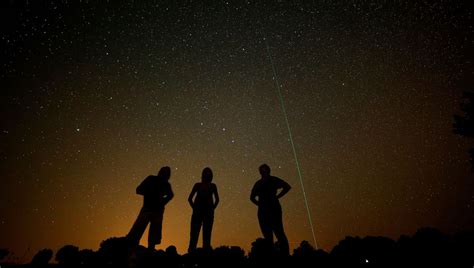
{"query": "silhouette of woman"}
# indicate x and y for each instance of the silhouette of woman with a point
(203, 209)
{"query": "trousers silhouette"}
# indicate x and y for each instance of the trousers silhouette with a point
(271, 222)
(206, 220)
(155, 218)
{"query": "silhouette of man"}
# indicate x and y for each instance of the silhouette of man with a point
(265, 195)
(203, 206)
(156, 191)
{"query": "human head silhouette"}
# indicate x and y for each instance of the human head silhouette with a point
(264, 170)
(206, 175)
(165, 172)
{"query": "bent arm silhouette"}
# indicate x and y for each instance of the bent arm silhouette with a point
(191, 195)
(142, 188)
(285, 189)
(253, 197)
(168, 196)
(216, 196)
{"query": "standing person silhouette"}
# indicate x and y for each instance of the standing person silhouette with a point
(156, 191)
(265, 195)
(203, 206)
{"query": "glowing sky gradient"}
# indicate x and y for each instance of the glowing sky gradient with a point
(97, 96)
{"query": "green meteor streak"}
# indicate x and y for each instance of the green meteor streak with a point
(277, 84)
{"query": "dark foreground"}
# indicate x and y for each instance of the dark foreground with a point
(427, 248)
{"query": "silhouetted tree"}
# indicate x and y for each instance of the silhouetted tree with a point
(348, 252)
(304, 249)
(265, 254)
(405, 251)
(172, 251)
(464, 125)
(115, 251)
(200, 257)
(226, 256)
(42, 258)
(3, 253)
(171, 258)
(431, 248)
(87, 257)
(379, 251)
(462, 247)
(428, 247)
(360, 252)
(68, 255)
(261, 249)
(306, 256)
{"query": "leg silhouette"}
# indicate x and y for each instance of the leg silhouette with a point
(208, 221)
(280, 233)
(196, 223)
(264, 219)
(154, 234)
(139, 226)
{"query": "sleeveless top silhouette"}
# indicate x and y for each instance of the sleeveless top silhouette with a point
(204, 192)
(154, 189)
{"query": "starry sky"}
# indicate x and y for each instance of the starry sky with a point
(97, 95)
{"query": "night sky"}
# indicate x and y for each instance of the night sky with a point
(95, 96)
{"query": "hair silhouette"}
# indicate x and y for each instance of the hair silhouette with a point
(165, 172)
(264, 170)
(207, 175)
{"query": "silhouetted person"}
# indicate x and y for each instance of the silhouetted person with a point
(156, 191)
(203, 206)
(265, 195)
